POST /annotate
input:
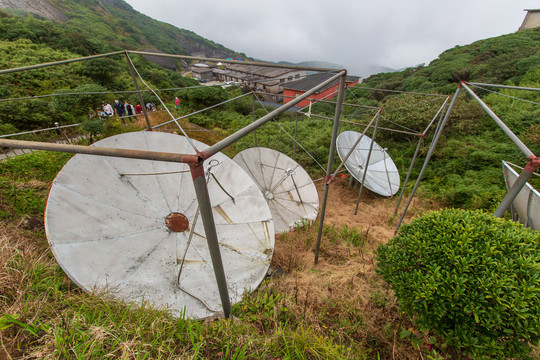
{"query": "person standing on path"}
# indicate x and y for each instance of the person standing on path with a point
(177, 103)
(107, 109)
(120, 110)
(130, 111)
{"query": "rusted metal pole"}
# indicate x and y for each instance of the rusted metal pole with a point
(94, 150)
(141, 101)
(203, 198)
(331, 155)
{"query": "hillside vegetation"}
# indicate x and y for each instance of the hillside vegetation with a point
(338, 309)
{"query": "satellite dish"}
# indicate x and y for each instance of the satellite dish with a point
(123, 226)
(288, 188)
(527, 202)
(382, 174)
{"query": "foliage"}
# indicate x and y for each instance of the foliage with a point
(93, 127)
(469, 277)
(79, 103)
(202, 97)
(17, 198)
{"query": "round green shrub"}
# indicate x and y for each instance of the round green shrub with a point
(469, 277)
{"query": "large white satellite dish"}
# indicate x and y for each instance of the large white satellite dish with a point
(123, 225)
(382, 174)
(527, 202)
(288, 188)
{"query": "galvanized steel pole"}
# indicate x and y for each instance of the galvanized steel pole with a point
(525, 174)
(505, 86)
(39, 66)
(502, 125)
(428, 156)
(254, 117)
(418, 146)
(295, 135)
(331, 155)
(367, 162)
(203, 198)
(513, 192)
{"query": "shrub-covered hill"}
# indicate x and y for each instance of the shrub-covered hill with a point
(90, 25)
(512, 58)
(465, 170)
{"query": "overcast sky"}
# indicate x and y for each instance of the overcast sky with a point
(354, 34)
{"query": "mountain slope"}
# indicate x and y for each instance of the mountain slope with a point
(116, 23)
(507, 58)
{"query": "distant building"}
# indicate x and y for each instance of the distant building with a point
(266, 79)
(203, 73)
(532, 19)
(297, 88)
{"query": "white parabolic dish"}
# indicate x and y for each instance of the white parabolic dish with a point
(106, 223)
(382, 174)
(288, 188)
(527, 202)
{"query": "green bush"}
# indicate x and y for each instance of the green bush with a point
(469, 277)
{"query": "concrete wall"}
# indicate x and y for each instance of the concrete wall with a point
(532, 20)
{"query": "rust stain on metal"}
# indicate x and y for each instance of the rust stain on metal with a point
(187, 261)
(291, 196)
(177, 222)
(223, 214)
(266, 231)
(230, 247)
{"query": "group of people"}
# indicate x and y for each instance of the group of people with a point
(123, 109)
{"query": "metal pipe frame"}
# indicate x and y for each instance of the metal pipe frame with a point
(513, 193)
(428, 156)
(378, 116)
(141, 101)
(418, 146)
(323, 101)
(263, 120)
(40, 130)
(254, 117)
(198, 112)
(528, 153)
(241, 62)
(39, 66)
(355, 123)
(504, 86)
(102, 151)
(354, 145)
(295, 135)
(205, 208)
(197, 170)
(331, 155)
(531, 167)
